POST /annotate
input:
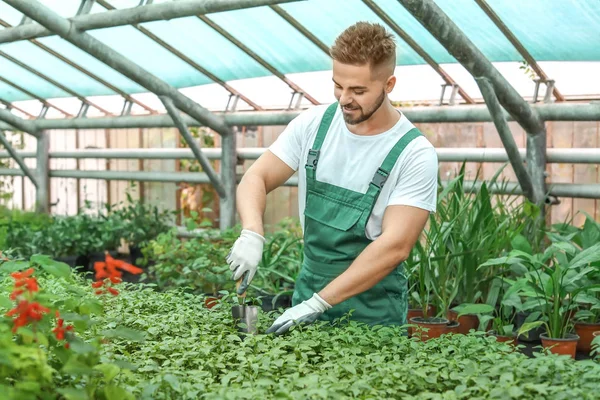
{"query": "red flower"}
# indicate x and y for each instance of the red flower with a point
(109, 268)
(26, 312)
(22, 275)
(16, 293)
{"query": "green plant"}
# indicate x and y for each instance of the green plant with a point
(467, 229)
(44, 351)
(551, 281)
(142, 222)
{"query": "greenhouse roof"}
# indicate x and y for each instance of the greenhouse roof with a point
(269, 51)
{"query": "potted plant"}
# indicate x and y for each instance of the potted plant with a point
(143, 222)
(554, 279)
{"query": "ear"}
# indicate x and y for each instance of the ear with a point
(390, 84)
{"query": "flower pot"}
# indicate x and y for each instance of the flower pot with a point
(467, 321)
(585, 332)
(533, 335)
(564, 346)
(418, 312)
(435, 327)
(503, 338)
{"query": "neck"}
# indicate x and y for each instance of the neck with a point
(382, 120)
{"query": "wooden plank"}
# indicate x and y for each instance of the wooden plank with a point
(561, 136)
(585, 135)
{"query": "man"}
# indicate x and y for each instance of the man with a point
(367, 183)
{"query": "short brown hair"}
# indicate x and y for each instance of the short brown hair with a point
(365, 43)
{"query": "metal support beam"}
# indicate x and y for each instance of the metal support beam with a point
(506, 136)
(38, 98)
(53, 82)
(85, 7)
(42, 193)
(19, 160)
(445, 154)
(114, 59)
(227, 205)
(256, 58)
(82, 70)
(518, 45)
(132, 16)
(418, 49)
(186, 59)
(301, 28)
(575, 190)
(444, 114)
(202, 159)
(19, 124)
(458, 45)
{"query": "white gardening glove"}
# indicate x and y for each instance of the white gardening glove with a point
(244, 257)
(306, 312)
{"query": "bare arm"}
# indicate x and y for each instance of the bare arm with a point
(266, 174)
(401, 228)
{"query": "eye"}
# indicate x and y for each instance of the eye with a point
(358, 93)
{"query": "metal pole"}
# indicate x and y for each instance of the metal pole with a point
(17, 158)
(15, 122)
(132, 16)
(104, 53)
(460, 46)
(518, 45)
(434, 114)
(186, 59)
(53, 82)
(574, 190)
(42, 193)
(445, 154)
(227, 205)
(506, 136)
(204, 162)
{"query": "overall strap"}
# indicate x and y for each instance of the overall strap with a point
(313, 154)
(386, 167)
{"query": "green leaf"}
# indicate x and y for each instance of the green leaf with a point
(109, 371)
(56, 268)
(464, 309)
(5, 302)
(115, 392)
(73, 394)
(521, 243)
(81, 347)
(528, 326)
(587, 256)
(125, 333)
(13, 266)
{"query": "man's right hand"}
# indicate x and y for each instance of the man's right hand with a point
(244, 257)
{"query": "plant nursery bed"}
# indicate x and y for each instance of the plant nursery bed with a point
(165, 345)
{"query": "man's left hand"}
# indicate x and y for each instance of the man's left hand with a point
(306, 312)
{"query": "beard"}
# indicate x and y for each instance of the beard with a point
(363, 115)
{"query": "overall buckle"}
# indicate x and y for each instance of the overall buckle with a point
(312, 159)
(379, 178)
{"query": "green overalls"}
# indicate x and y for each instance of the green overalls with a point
(334, 235)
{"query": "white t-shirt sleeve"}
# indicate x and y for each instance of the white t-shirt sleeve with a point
(418, 180)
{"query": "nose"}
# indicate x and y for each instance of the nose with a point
(345, 98)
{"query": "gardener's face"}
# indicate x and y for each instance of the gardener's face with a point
(360, 90)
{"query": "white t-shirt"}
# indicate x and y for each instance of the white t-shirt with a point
(350, 161)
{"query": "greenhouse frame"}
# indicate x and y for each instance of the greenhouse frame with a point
(502, 102)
